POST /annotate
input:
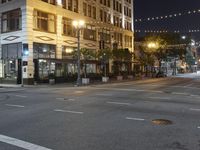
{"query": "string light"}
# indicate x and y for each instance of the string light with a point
(167, 31)
(170, 16)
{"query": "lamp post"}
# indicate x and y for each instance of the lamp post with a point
(78, 25)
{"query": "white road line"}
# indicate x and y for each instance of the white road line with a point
(198, 127)
(11, 105)
(78, 92)
(104, 94)
(119, 103)
(21, 96)
(71, 99)
(21, 144)
(194, 95)
(68, 111)
(177, 93)
(194, 109)
(165, 98)
(136, 119)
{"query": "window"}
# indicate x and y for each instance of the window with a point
(44, 21)
(68, 29)
(11, 21)
(89, 32)
(75, 6)
(85, 9)
(44, 51)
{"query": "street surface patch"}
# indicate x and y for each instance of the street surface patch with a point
(162, 122)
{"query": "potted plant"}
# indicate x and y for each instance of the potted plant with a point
(51, 78)
(86, 55)
(104, 56)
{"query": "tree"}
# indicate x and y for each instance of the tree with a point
(122, 57)
(104, 55)
(86, 55)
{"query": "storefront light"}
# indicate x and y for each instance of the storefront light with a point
(59, 2)
(44, 50)
(68, 50)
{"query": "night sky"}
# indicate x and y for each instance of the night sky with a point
(153, 8)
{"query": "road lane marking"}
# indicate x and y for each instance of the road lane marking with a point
(194, 109)
(119, 103)
(177, 93)
(104, 94)
(71, 99)
(136, 119)
(21, 144)
(194, 95)
(198, 127)
(22, 96)
(68, 111)
(164, 98)
(11, 105)
(78, 92)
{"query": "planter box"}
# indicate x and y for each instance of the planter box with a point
(105, 79)
(130, 77)
(119, 78)
(51, 81)
(85, 81)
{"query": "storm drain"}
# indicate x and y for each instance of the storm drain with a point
(161, 122)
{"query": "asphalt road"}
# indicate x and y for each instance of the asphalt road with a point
(119, 116)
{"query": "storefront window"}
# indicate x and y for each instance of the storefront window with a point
(44, 51)
(11, 56)
(45, 68)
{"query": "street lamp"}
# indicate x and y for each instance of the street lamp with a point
(152, 45)
(78, 25)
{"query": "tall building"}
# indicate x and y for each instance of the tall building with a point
(40, 32)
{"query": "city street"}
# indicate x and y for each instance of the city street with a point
(117, 116)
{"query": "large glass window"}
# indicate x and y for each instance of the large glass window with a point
(11, 21)
(44, 51)
(67, 52)
(11, 53)
(44, 21)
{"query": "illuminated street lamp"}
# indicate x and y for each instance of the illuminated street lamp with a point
(152, 45)
(78, 25)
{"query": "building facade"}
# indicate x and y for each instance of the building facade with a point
(37, 37)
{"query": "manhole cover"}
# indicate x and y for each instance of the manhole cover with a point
(162, 122)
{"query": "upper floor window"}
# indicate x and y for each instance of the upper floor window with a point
(89, 32)
(11, 21)
(70, 5)
(44, 21)
(53, 2)
(68, 29)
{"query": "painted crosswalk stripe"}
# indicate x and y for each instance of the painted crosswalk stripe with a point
(21, 144)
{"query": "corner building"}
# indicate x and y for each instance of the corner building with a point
(37, 36)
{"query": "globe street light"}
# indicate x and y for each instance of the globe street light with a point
(78, 25)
